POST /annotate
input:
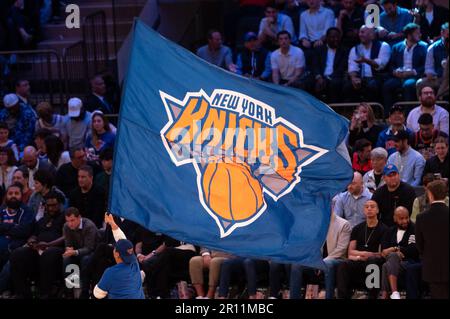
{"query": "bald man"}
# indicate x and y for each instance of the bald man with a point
(366, 61)
(32, 163)
(399, 248)
(350, 204)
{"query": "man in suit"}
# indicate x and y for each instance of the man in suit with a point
(97, 99)
(407, 65)
(432, 240)
(329, 66)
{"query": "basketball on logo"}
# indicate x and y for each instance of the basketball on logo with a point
(231, 191)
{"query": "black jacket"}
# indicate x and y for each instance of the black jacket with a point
(387, 201)
(407, 245)
(432, 242)
(440, 16)
(93, 103)
(320, 61)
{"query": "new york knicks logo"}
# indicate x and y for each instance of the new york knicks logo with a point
(240, 150)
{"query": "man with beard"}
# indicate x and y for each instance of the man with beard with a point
(423, 140)
(398, 247)
(16, 222)
(428, 105)
(42, 254)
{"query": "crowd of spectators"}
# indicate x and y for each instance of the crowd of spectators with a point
(55, 169)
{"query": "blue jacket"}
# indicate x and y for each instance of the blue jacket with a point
(18, 232)
(419, 57)
(23, 132)
(385, 142)
(439, 53)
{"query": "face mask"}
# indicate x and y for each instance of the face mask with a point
(13, 203)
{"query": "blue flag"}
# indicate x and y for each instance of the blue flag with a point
(222, 161)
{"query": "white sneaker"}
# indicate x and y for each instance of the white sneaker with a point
(395, 295)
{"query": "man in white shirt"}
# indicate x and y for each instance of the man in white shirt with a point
(434, 64)
(288, 62)
(428, 105)
(314, 23)
(365, 62)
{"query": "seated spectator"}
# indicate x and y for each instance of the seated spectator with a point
(67, 174)
(272, 24)
(410, 162)
(97, 100)
(430, 17)
(329, 66)
(123, 280)
(397, 123)
(423, 140)
(172, 265)
(23, 92)
(432, 240)
(43, 184)
(78, 124)
(241, 267)
(55, 123)
(101, 136)
(393, 20)
(39, 141)
(335, 252)
(361, 157)
(406, 67)
(54, 148)
(20, 119)
(16, 223)
(434, 64)
(393, 194)
(349, 205)
(80, 237)
(149, 246)
(21, 176)
(363, 249)
(288, 62)
(366, 63)
(398, 247)
(314, 23)
(421, 203)
(438, 164)
(41, 256)
(428, 105)
(216, 53)
(373, 179)
(7, 166)
(32, 163)
(254, 61)
(6, 142)
(87, 197)
(363, 125)
(350, 19)
(211, 261)
(103, 178)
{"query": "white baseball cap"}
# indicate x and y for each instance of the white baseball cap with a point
(9, 100)
(75, 106)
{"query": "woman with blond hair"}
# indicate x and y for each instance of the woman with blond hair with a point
(363, 125)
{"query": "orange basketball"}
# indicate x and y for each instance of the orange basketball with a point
(231, 191)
